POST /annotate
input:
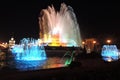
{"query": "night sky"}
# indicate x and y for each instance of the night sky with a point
(20, 18)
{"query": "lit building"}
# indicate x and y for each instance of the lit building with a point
(11, 42)
(90, 44)
(3, 45)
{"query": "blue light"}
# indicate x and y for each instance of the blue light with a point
(28, 49)
(22, 65)
(110, 53)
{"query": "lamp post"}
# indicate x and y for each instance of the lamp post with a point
(84, 48)
(94, 47)
(83, 43)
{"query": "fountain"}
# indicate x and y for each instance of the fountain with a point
(110, 53)
(59, 28)
(68, 57)
(29, 49)
(28, 55)
(56, 29)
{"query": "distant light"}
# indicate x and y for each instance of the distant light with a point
(83, 42)
(108, 41)
(94, 42)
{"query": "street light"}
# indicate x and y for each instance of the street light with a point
(83, 42)
(94, 42)
(94, 45)
(108, 41)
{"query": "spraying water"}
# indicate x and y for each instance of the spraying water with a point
(110, 53)
(69, 57)
(59, 28)
(29, 49)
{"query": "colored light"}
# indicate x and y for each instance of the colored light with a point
(28, 49)
(60, 26)
(110, 53)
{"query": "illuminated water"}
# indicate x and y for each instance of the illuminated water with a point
(59, 28)
(51, 62)
(68, 57)
(110, 53)
(26, 65)
(28, 49)
(29, 55)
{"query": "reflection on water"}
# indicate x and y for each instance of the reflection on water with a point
(8, 61)
(53, 62)
(26, 65)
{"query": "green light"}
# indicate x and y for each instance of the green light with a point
(70, 58)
